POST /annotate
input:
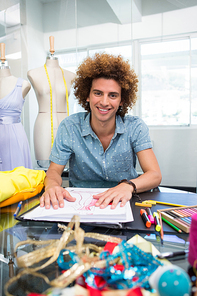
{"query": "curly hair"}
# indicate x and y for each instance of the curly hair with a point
(110, 67)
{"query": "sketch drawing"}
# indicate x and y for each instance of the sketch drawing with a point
(84, 200)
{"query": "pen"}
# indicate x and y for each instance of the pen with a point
(167, 255)
(172, 225)
(18, 209)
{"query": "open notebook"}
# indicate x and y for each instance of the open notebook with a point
(84, 206)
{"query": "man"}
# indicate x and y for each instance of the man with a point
(102, 144)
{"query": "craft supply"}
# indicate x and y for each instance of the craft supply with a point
(168, 255)
(143, 205)
(154, 202)
(150, 216)
(18, 209)
(192, 257)
(161, 230)
(145, 218)
(180, 217)
(125, 268)
(171, 280)
(172, 225)
(157, 223)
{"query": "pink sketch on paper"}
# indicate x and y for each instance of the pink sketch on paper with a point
(84, 201)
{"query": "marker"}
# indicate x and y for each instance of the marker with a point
(173, 254)
(145, 218)
(157, 223)
(150, 216)
(18, 209)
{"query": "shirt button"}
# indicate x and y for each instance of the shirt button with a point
(107, 178)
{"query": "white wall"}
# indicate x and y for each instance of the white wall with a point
(176, 151)
(175, 148)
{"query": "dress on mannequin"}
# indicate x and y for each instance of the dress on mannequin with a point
(52, 107)
(14, 146)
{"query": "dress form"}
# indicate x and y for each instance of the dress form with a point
(14, 146)
(7, 80)
(40, 83)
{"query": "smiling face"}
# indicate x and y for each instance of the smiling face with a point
(104, 100)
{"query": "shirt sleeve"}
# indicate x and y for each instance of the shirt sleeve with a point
(62, 146)
(141, 138)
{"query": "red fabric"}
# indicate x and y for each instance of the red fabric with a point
(119, 267)
(135, 292)
(109, 247)
(99, 281)
(35, 294)
(93, 292)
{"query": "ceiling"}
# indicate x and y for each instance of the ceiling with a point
(67, 14)
(62, 13)
(146, 7)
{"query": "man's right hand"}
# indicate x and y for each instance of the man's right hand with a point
(54, 193)
(55, 196)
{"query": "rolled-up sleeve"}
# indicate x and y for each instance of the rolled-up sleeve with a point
(141, 138)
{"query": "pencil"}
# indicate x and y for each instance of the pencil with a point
(162, 203)
(172, 225)
(161, 231)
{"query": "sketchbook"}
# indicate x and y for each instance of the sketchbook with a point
(84, 206)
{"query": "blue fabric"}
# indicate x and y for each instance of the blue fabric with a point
(88, 162)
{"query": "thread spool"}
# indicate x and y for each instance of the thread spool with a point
(192, 257)
(170, 280)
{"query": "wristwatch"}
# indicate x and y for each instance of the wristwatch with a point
(134, 194)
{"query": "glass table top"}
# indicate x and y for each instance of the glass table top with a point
(13, 232)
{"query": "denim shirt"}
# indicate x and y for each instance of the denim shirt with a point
(89, 164)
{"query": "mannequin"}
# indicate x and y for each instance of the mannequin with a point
(48, 120)
(14, 146)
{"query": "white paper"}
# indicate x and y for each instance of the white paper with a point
(84, 206)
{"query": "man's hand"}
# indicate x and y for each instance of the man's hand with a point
(122, 192)
(55, 196)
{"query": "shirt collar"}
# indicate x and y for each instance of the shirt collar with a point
(120, 127)
(87, 130)
(86, 127)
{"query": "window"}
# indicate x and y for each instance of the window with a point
(194, 81)
(168, 79)
(165, 82)
(124, 50)
(70, 61)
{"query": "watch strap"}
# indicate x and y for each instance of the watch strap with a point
(134, 194)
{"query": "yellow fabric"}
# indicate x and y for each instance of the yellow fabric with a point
(20, 184)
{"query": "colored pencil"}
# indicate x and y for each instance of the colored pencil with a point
(170, 224)
(179, 217)
(162, 203)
